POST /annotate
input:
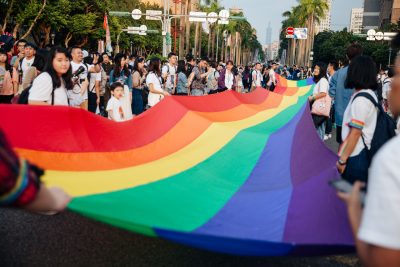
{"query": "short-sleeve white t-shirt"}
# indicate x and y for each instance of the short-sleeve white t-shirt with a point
(42, 88)
(259, 78)
(94, 77)
(152, 78)
(361, 114)
(82, 76)
(381, 217)
(170, 71)
(25, 65)
(321, 87)
(115, 106)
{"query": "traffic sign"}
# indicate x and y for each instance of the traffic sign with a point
(136, 14)
(153, 14)
(143, 28)
(290, 31)
(212, 17)
(197, 16)
(224, 14)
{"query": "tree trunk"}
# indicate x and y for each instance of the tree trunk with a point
(188, 9)
(35, 20)
(68, 39)
(7, 15)
(209, 42)
(16, 29)
(200, 38)
(196, 38)
(213, 44)
(182, 31)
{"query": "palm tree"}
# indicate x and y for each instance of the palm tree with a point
(313, 11)
(293, 19)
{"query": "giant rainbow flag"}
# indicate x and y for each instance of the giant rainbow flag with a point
(243, 174)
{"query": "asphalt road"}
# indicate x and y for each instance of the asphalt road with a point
(68, 239)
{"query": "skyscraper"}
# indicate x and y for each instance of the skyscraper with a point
(325, 24)
(372, 9)
(269, 34)
(356, 20)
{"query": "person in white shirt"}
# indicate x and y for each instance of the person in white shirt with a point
(256, 76)
(53, 86)
(26, 62)
(386, 88)
(272, 78)
(153, 82)
(359, 120)
(114, 105)
(169, 73)
(320, 91)
(77, 61)
(376, 227)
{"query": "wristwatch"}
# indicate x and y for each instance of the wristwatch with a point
(341, 162)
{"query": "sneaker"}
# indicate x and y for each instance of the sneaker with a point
(326, 137)
(329, 135)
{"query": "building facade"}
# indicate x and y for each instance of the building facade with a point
(371, 16)
(268, 39)
(356, 20)
(325, 24)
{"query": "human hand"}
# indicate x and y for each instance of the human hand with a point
(95, 59)
(166, 93)
(341, 168)
(353, 199)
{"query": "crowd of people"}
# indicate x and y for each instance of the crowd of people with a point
(360, 102)
(93, 82)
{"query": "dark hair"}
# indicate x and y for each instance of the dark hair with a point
(118, 67)
(390, 72)
(171, 54)
(136, 65)
(67, 77)
(105, 54)
(354, 50)
(181, 66)
(189, 57)
(334, 64)
(115, 85)
(154, 66)
(322, 71)
(230, 62)
(40, 60)
(213, 64)
(8, 66)
(361, 74)
(74, 47)
(21, 41)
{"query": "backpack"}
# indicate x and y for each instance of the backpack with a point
(24, 96)
(384, 131)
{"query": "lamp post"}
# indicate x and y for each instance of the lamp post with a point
(52, 36)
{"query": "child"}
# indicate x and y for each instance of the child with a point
(114, 106)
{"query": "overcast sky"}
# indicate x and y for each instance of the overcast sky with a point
(260, 12)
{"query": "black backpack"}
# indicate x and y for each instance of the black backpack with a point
(24, 96)
(384, 131)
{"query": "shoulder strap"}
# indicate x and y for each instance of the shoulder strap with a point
(370, 98)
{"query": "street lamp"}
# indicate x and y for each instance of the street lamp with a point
(53, 36)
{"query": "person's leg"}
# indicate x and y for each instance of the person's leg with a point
(339, 134)
(92, 105)
(321, 131)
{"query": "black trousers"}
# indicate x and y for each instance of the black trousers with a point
(6, 99)
(339, 134)
(92, 105)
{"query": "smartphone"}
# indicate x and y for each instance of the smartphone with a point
(346, 187)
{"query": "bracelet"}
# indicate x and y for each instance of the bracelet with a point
(342, 162)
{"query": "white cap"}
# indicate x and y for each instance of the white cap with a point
(85, 53)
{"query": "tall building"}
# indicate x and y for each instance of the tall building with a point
(325, 24)
(390, 12)
(356, 20)
(272, 50)
(372, 10)
(269, 34)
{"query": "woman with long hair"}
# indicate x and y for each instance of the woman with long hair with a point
(182, 83)
(138, 78)
(320, 92)
(121, 74)
(154, 83)
(8, 79)
(54, 85)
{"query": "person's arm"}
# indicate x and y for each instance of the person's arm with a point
(97, 85)
(111, 80)
(333, 85)
(136, 80)
(324, 87)
(15, 81)
(348, 146)
(29, 77)
(96, 68)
